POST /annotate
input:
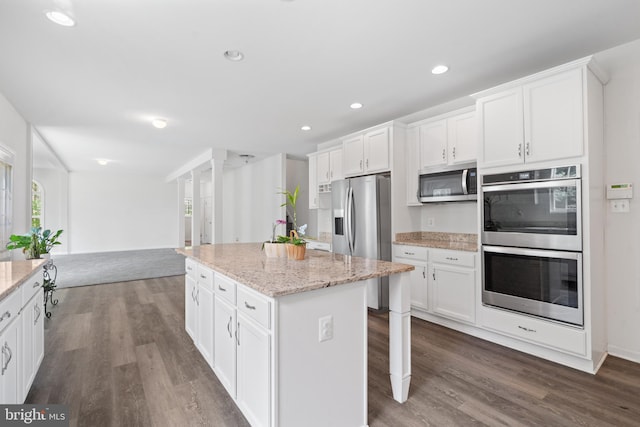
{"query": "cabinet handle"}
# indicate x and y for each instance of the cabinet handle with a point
(434, 275)
(424, 272)
(452, 258)
(36, 308)
(8, 350)
(202, 276)
(6, 315)
(367, 163)
(360, 164)
(238, 334)
(526, 150)
(229, 327)
(36, 285)
(326, 175)
(198, 298)
(250, 307)
(444, 153)
(519, 150)
(409, 253)
(526, 329)
(193, 296)
(222, 289)
(189, 268)
(454, 152)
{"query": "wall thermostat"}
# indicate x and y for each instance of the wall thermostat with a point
(620, 191)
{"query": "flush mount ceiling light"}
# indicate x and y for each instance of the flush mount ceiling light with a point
(234, 55)
(60, 18)
(102, 162)
(305, 128)
(246, 157)
(355, 106)
(439, 69)
(159, 123)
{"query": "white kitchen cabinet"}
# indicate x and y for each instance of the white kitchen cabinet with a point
(205, 328)
(367, 153)
(448, 141)
(313, 181)
(253, 371)
(537, 121)
(9, 356)
(32, 334)
(329, 166)
(412, 161)
(225, 344)
(199, 308)
(190, 308)
(418, 257)
(453, 284)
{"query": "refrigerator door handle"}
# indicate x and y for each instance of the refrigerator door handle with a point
(349, 219)
(352, 225)
(347, 222)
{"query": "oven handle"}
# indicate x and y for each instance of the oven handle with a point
(530, 185)
(465, 172)
(532, 252)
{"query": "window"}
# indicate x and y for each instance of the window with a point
(6, 209)
(188, 207)
(37, 202)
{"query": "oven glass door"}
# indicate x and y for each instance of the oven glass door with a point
(534, 214)
(537, 282)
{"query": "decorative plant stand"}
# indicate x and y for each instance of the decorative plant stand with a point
(49, 276)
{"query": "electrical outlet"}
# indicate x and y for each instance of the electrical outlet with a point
(325, 328)
(620, 206)
(431, 222)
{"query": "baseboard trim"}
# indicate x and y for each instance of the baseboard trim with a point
(623, 353)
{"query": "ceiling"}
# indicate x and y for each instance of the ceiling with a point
(92, 89)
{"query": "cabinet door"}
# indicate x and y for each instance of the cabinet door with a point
(323, 168)
(353, 152)
(462, 138)
(9, 375)
(204, 341)
(254, 373)
(32, 351)
(225, 345)
(376, 149)
(419, 287)
(335, 163)
(501, 128)
(433, 144)
(453, 292)
(412, 161)
(554, 121)
(313, 182)
(190, 289)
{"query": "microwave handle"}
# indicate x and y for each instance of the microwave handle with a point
(465, 172)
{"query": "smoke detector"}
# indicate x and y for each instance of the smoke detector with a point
(246, 157)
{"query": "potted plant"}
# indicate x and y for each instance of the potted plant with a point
(35, 243)
(296, 245)
(275, 248)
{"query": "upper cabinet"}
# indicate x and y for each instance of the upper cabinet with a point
(329, 166)
(313, 181)
(539, 120)
(366, 153)
(448, 141)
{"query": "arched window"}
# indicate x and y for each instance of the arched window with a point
(37, 205)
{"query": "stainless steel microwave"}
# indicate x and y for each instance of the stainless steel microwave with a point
(451, 184)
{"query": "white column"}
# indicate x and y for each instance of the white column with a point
(180, 212)
(217, 164)
(195, 216)
(400, 335)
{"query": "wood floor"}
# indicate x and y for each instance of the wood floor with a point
(118, 355)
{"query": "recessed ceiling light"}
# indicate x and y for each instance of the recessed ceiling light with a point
(159, 123)
(306, 127)
(102, 162)
(60, 18)
(439, 69)
(355, 105)
(234, 55)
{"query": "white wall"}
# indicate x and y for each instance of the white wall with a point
(250, 201)
(297, 172)
(454, 217)
(622, 231)
(15, 135)
(113, 211)
(54, 184)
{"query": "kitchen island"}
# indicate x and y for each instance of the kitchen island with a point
(288, 339)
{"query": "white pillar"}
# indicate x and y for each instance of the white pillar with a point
(400, 335)
(216, 197)
(195, 215)
(180, 211)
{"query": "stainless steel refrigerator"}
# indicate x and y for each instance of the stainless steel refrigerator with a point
(361, 211)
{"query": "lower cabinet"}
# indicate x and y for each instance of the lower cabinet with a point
(453, 292)
(225, 345)
(9, 376)
(32, 319)
(190, 290)
(205, 324)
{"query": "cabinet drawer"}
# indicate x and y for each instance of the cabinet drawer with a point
(30, 287)
(549, 334)
(418, 253)
(191, 268)
(9, 308)
(225, 288)
(463, 259)
(205, 277)
(254, 306)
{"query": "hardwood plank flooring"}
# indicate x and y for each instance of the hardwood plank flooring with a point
(118, 355)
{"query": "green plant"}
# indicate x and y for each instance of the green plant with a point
(34, 243)
(291, 200)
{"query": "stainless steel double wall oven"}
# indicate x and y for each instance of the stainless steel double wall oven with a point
(532, 242)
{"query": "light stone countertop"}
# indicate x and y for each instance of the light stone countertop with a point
(15, 273)
(274, 277)
(451, 241)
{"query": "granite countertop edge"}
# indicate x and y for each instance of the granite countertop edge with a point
(20, 271)
(439, 244)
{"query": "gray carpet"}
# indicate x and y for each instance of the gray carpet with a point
(110, 267)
